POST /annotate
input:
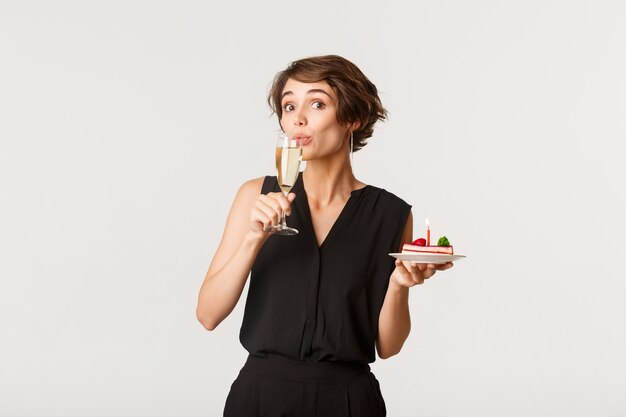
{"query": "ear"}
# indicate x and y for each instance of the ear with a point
(353, 126)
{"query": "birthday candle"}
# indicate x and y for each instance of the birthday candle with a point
(427, 232)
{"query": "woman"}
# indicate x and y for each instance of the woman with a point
(319, 303)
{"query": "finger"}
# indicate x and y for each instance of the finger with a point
(279, 202)
(429, 273)
(271, 201)
(285, 203)
(270, 208)
(445, 266)
(430, 270)
(421, 271)
(270, 213)
(401, 266)
(260, 220)
(412, 273)
(417, 267)
(406, 277)
(290, 197)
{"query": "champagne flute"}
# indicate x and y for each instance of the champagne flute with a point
(288, 158)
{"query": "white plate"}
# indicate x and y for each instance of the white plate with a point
(427, 258)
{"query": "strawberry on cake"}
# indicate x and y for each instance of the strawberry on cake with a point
(419, 246)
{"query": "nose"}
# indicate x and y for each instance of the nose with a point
(299, 119)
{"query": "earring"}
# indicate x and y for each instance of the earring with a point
(351, 147)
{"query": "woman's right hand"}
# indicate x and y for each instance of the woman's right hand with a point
(267, 210)
(244, 236)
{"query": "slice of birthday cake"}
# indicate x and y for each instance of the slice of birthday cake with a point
(419, 246)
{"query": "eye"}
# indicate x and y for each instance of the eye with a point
(288, 107)
(318, 105)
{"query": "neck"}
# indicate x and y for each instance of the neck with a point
(330, 179)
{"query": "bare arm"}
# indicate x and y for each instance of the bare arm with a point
(243, 238)
(394, 322)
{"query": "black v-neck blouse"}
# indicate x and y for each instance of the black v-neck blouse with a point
(321, 303)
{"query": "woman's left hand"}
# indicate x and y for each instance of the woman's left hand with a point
(408, 274)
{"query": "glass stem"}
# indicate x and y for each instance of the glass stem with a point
(283, 220)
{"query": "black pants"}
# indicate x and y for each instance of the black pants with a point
(280, 388)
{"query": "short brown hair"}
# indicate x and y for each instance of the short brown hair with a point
(357, 97)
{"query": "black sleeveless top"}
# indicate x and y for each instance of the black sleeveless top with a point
(321, 303)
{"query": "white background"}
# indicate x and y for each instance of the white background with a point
(126, 128)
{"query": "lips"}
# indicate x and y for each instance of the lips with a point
(303, 138)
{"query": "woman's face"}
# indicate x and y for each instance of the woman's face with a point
(310, 113)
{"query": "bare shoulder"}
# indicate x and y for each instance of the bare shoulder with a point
(237, 223)
(252, 186)
(250, 190)
(246, 197)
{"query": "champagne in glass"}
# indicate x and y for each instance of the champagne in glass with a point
(288, 158)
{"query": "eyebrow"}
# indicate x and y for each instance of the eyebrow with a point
(313, 90)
